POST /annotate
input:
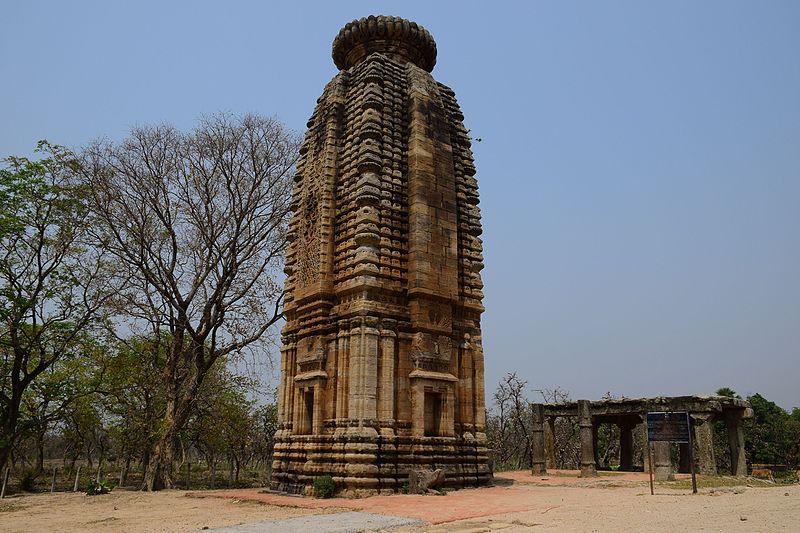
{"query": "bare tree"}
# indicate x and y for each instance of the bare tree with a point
(566, 433)
(197, 223)
(509, 424)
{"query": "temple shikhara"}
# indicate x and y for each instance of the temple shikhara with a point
(381, 361)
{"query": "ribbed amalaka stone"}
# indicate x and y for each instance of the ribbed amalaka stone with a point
(382, 363)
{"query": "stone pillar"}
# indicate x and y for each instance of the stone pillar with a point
(703, 436)
(684, 461)
(733, 423)
(290, 390)
(641, 427)
(448, 422)
(479, 396)
(284, 391)
(588, 466)
(342, 373)
(298, 412)
(661, 461)
(537, 440)
(363, 379)
(318, 409)
(550, 441)
(466, 406)
(417, 408)
(369, 392)
(386, 386)
(626, 445)
(354, 384)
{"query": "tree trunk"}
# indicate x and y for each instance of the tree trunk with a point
(123, 480)
(158, 475)
(159, 470)
(39, 453)
(5, 451)
(8, 429)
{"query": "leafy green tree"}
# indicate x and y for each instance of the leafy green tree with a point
(132, 397)
(225, 423)
(49, 398)
(774, 435)
(52, 284)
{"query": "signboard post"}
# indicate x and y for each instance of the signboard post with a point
(670, 427)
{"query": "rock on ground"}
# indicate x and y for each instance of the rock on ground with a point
(351, 522)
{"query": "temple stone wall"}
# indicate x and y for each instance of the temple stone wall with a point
(381, 361)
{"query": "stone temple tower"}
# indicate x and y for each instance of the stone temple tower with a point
(381, 362)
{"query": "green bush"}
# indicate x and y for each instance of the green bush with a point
(103, 487)
(324, 487)
(28, 481)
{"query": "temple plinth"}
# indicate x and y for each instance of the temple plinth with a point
(381, 358)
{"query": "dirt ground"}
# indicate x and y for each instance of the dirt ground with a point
(518, 502)
(122, 511)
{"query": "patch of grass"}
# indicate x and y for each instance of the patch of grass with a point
(94, 488)
(564, 474)
(712, 482)
(10, 507)
(28, 481)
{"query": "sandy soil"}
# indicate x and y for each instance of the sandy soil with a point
(166, 511)
(519, 502)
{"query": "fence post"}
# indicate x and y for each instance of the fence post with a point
(77, 475)
(5, 482)
(53, 484)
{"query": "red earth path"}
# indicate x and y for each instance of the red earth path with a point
(512, 493)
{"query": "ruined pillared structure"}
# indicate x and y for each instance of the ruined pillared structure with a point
(381, 361)
(629, 415)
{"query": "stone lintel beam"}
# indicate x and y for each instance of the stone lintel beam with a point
(717, 405)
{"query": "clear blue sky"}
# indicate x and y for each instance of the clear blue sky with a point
(639, 170)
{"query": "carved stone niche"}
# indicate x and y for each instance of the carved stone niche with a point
(432, 403)
(310, 358)
(309, 389)
(431, 353)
